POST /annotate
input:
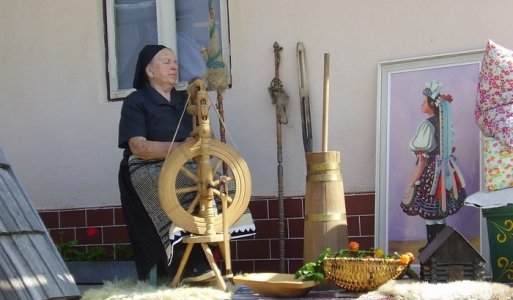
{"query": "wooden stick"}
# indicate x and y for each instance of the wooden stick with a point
(326, 102)
(277, 91)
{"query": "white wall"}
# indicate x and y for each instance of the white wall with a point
(61, 136)
(56, 128)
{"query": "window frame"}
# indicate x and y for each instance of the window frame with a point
(166, 35)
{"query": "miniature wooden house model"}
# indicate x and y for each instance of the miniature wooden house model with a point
(450, 257)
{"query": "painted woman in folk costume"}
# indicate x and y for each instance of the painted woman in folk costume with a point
(437, 188)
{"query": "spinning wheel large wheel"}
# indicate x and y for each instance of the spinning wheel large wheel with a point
(180, 179)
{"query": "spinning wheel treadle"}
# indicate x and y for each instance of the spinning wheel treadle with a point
(180, 179)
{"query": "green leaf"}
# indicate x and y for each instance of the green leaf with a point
(313, 270)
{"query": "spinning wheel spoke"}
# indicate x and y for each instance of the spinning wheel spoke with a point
(193, 205)
(229, 199)
(217, 182)
(189, 174)
(216, 193)
(219, 194)
(186, 190)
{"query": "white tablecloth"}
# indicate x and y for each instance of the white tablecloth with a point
(484, 199)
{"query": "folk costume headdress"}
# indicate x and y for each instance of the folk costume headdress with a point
(447, 176)
(432, 89)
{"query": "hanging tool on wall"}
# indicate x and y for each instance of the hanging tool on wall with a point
(280, 99)
(304, 98)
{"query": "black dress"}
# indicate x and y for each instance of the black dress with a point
(146, 113)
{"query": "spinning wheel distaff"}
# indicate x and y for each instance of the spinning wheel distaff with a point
(204, 186)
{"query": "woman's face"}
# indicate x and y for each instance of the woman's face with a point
(425, 108)
(163, 69)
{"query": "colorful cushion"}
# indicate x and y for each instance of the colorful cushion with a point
(496, 77)
(498, 164)
(497, 122)
(494, 103)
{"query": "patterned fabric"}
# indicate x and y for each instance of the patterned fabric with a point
(145, 177)
(425, 204)
(498, 164)
(494, 103)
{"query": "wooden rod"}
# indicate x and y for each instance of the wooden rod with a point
(326, 102)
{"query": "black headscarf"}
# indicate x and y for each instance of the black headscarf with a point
(145, 56)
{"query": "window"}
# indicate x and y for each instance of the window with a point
(182, 25)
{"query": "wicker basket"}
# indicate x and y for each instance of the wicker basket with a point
(362, 274)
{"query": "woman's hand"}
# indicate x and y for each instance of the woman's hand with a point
(145, 149)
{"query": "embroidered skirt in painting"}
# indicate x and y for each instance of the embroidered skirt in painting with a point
(427, 200)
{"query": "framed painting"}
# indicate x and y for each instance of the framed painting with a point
(399, 112)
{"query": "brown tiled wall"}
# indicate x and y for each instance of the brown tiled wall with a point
(89, 226)
(259, 253)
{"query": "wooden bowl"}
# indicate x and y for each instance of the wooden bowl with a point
(275, 284)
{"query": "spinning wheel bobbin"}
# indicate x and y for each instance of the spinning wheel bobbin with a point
(193, 170)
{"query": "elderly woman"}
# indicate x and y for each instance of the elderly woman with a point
(149, 119)
(153, 123)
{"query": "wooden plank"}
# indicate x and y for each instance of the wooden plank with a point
(30, 266)
(41, 280)
(62, 278)
(18, 207)
(13, 285)
(3, 160)
(6, 219)
(31, 269)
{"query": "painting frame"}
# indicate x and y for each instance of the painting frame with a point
(399, 98)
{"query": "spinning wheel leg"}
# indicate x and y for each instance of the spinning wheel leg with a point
(227, 260)
(213, 266)
(183, 261)
(203, 241)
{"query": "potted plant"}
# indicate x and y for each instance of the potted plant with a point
(96, 264)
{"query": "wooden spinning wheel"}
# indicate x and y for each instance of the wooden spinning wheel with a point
(204, 186)
(178, 166)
